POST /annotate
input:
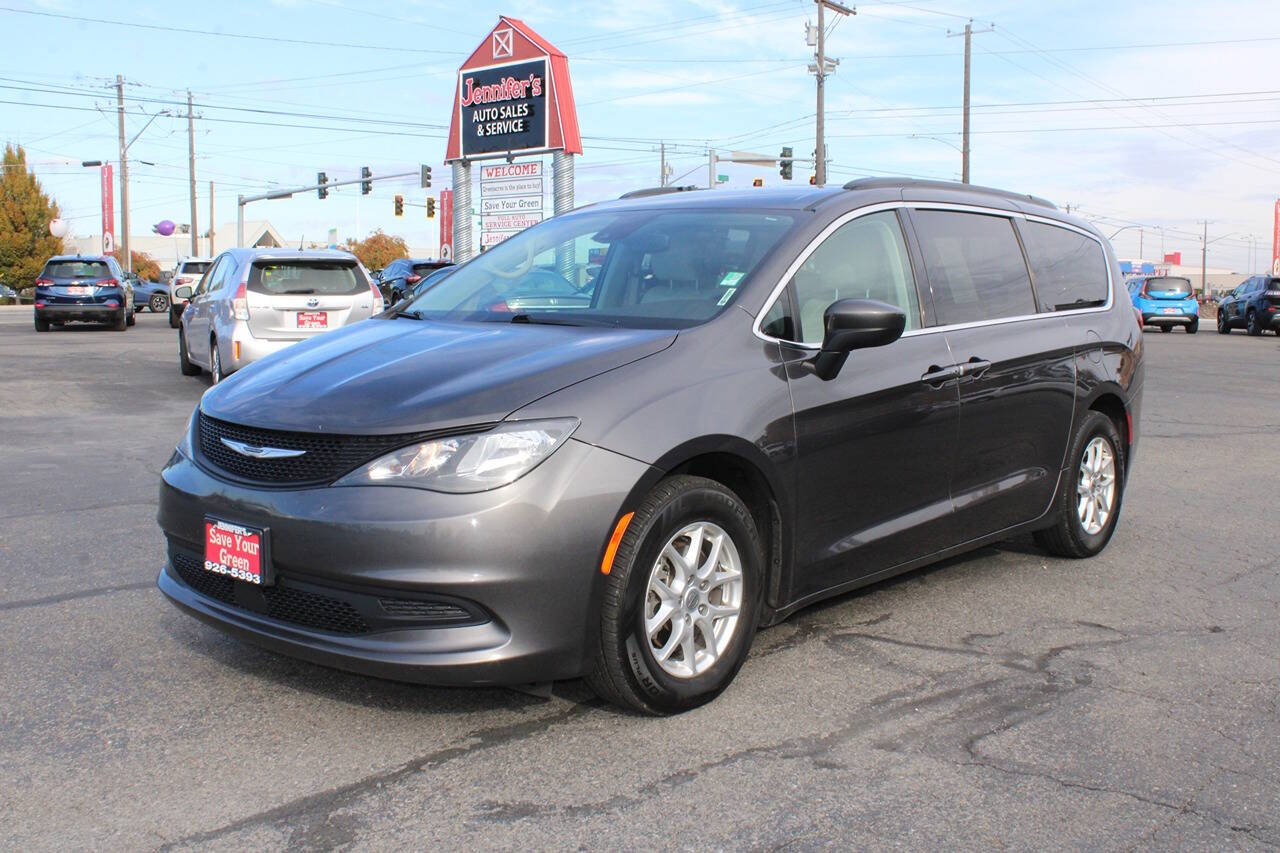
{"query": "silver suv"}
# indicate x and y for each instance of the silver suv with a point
(253, 302)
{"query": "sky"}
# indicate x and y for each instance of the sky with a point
(1148, 118)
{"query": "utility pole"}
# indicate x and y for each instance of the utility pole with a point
(1204, 260)
(191, 160)
(662, 169)
(1141, 235)
(821, 68)
(211, 219)
(711, 168)
(124, 179)
(964, 145)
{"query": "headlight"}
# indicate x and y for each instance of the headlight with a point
(468, 463)
(184, 443)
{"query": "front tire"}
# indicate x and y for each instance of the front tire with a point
(1223, 327)
(131, 317)
(215, 363)
(681, 601)
(159, 303)
(1089, 505)
(175, 318)
(184, 363)
(1166, 329)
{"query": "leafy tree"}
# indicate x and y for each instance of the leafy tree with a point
(145, 266)
(378, 249)
(25, 214)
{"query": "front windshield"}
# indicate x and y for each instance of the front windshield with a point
(630, 268)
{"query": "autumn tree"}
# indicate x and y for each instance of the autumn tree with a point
(25, 214)
(145, 266)
(378, 249)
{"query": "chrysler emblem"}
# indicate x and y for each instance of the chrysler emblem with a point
(312, 301)
(261, 452)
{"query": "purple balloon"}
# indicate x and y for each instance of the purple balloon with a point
(165, 228)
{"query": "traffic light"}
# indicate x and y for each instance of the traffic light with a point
(366, 185)
(784, 164)
(322, 190)
(431, 207)
(426, 177)
(399, 205)
(758, 182)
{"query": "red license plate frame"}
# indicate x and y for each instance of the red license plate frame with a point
(313, 319)
(229, 549)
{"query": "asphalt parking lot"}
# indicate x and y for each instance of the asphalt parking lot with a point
(1005, 699)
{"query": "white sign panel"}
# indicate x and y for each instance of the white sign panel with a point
(510, 171)
(512, 221)
(518, 186)
(527, 204)
(489, 239)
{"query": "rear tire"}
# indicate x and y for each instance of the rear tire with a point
(1166, 329)
(175, 319)
(122, 322)
(42, 325)
(131, 317)
(1193, 327)
(678, 512)
(1068, 537)
(1251, 323)
(184, 363)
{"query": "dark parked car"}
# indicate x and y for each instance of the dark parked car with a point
(397, 279)
(1254, 305)
(772, 397)
(75, 288)
(152, 295)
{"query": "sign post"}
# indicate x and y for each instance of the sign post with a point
(108, 213)
(513, 98)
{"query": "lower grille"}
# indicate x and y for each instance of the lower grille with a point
(324, 608)
(287, 604)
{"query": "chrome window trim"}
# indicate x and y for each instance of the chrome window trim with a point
(930, 205)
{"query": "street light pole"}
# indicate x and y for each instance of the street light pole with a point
(124, 178)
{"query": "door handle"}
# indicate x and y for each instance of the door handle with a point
(938, 376)
(974, 367)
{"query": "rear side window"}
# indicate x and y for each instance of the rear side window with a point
(77, 269)
(1070, 269)
(332, 278)
(195, 267)
(426, 269)
(975, 266)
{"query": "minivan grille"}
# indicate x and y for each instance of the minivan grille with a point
(325, 457)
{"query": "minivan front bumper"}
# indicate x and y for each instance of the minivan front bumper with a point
(525, 558)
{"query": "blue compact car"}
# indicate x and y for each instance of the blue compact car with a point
(152, 295)
(1165, 301)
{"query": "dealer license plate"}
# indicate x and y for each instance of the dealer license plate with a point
(78, 290)
(1168, 310)
(236, 551)
(313, 320)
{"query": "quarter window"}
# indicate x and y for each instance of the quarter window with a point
(1070, 269)
(863, 259)
(975, 266)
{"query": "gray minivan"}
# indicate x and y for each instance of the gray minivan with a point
(755, 401)
(253, 302)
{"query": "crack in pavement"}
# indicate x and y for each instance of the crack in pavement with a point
(72, 596)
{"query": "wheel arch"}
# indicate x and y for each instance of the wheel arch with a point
(1109, 402)
(747, 471)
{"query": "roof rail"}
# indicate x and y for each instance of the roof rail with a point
(658, 191)
(881, 183)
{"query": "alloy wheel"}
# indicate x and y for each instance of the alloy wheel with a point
(159, 303)
(215, 363)
(1096, 487)
(694, 599)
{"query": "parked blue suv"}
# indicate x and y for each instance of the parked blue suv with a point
(1255, 305)
(91, 289)
(1165, 301)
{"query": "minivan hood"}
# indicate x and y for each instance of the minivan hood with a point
(402, 375)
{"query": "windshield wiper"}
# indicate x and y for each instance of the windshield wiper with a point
(545, 320)
(412, 315)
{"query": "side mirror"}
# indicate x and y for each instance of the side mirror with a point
(182, 291)
(852, 324)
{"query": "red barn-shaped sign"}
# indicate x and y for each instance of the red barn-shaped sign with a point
(513, 97)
